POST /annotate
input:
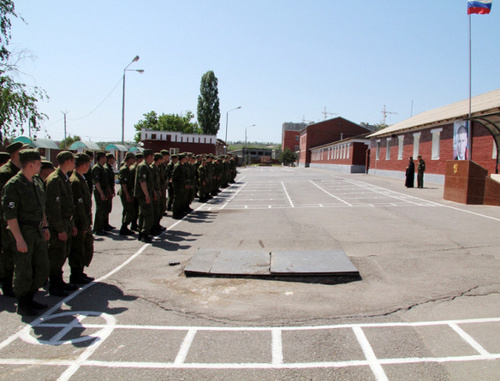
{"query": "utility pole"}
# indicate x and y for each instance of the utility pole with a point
(65, 113)
(384, 113)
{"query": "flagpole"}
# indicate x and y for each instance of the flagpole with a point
(469, 137)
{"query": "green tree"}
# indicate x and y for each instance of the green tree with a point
(167, 122)
(18, 102)
(66, 143)
(208, 104)
(288, 157)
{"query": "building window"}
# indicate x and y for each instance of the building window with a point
(377, 151)
(435, 143)
(401, 141)
(388, 149)
(348, 150)
(495, 151)
(416, 144)
(297, 137)
(174, 151)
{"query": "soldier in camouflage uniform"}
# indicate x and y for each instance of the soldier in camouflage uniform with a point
(126, 194)
(60, 208)
(143, 191)
(155, 169)
(163, 182)
(203, 189)
(139, 157)
(8, 171)
(23, 203)
(82, 244)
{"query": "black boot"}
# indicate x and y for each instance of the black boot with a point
(89, 278)
(7, 287)
(139, 237)
(125, 230)
(57, 286)
(77, 276)
(34, 304)
(24, 306)
(134, 226)
(146, 238)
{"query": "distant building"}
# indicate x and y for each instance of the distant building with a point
(290, 135)
(326, 132)
(347, 155)
(177, 142)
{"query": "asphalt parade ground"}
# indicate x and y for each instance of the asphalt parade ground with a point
(426, 305)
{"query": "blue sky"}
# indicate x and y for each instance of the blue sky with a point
(281, 61)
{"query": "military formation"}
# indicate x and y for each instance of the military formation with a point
(46, 216)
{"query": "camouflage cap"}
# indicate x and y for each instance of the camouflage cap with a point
(82, 158)
(174, 156)
(110, 156)
(47, 164)
(165, 152)
(64, 155)
(11, 148)
(148, 152)
(89, 153)
(27, 155)
(139, 155)
(182, 156)
(129, 155)
(4, 156)
(158, 156)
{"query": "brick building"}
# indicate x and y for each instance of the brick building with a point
(347, 155)
(290, 135)
(433, 134)
(177, 142)
(326, 132)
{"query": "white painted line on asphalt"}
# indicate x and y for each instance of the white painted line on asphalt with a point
(328, 193)
(277, 347)
(287, 195)
(186, 345)
(375, 366)
(473, 343)
(234, 195)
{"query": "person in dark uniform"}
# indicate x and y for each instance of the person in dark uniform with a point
(23, 203)
(110, 170)
(420, 173)
(143, 191)
(410, 173)
(8, 171)
(60, 208)
(82, 244)
(180, 186)
(126, 194)
(101, 184)
(47, 169)
(170, 169)
(4, 158)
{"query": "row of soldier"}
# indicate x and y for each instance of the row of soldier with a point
(47, 211)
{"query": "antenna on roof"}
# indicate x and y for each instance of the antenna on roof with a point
(325, 113)
(384, 113)
(304, 120)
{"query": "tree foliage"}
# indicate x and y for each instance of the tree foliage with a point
(18, 102)
(66, 143)
(167, 122)
(288, 157)
(208, 104)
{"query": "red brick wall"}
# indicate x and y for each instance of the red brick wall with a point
(481, 152)
(290, 140)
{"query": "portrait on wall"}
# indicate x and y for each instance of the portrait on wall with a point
(461, 140)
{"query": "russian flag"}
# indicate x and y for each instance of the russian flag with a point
(480, 7)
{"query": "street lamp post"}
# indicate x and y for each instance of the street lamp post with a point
(227, 114)
(245, 147)
(136, 58)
